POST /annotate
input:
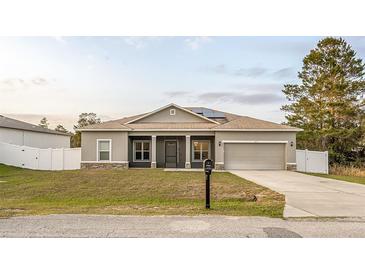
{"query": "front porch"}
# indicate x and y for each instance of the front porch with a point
(187, 151)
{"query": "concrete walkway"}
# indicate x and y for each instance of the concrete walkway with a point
(311, 196)
(178, 226)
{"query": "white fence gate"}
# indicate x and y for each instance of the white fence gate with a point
(39, 158)
(312, 161)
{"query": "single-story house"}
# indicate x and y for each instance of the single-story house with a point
(183, 137)
(24, 134)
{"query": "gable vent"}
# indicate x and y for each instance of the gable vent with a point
(172, 111)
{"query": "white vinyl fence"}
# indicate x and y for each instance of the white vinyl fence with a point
(312, 161)
(39, 158)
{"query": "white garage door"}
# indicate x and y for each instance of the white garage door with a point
(254, 156)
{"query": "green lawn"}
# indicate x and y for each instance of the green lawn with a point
(131, 192)
(351, 179)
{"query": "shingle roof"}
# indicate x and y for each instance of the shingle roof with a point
(6, 122)
(230, 122)
(245, 122)
(115, 124)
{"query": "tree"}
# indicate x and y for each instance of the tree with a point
(44, 123)
(85, 119)
(329, 101)
(61, 128)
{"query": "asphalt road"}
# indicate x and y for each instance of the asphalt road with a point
(178, 226)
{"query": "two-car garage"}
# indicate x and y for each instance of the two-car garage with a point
(255, 155)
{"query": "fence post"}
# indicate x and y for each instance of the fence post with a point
(63, 158)
(21, 164)
(326, 155)
(51, 158)
(37, 158)
(306, 159)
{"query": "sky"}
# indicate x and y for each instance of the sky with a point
(114, 77)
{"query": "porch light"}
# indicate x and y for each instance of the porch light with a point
(219, 143)
(291, 143)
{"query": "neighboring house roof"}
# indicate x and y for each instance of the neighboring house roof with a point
(6, 122)
(220, 121)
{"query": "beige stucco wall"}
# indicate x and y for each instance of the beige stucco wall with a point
(119, 145)
(255, 136)
(164, 116)
(33, 139)
(120, 141)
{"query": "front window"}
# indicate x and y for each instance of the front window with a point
(104, 148)
(201, 150)
(141, 151)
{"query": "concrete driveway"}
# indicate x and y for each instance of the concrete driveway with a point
(311, 196)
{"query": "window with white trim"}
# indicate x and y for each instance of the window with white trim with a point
(172, 111)
(201, 150)
(141, 151)
(104, 150)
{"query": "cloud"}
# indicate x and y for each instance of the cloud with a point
(221, 69)
(60, 39)
(268, 88)
(250, 72)
(288, 72)
(140, 42)
(259, 97)
(253, 72)
(13, 84)
(39, 81)
(241, 98)
(174, 94)
(136, 42)
(197, 42)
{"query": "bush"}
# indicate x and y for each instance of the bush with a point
(347, 170)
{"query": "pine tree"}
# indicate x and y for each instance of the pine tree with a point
(61, 128)
(85, 119)
(329, 101)
(44, 123)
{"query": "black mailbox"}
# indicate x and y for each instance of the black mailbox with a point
(208, 166)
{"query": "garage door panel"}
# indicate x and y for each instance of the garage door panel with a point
(254, 156)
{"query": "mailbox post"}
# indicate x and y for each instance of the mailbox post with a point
(208, 166)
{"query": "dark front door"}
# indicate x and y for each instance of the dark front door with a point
(170, 154)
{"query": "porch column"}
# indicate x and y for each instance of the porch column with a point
(153, 152)
(187, 151)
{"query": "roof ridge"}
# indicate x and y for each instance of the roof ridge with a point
(175, 106)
